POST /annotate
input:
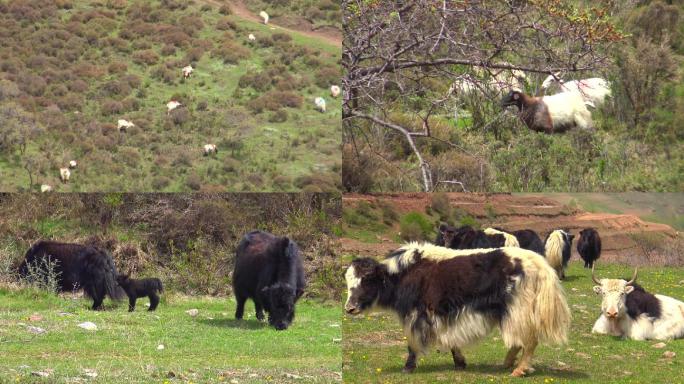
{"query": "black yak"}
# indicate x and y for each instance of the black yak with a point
(77, 267)
(528, 239)
(135, 288)
(467, 237)
(589, 246)
(268, 270)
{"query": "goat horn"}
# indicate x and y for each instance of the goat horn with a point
(633, 277)
(594, 277)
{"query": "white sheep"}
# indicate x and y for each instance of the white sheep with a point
(335, 91)
(210, 149)
(550, 114)
(123, 125)
(64, 174)
(73, 164)
(498, 82)
(46, 188)
(594, 90)
(264, 16)
(187, 71)
(171, 105)
(320, 103)
(251, 37)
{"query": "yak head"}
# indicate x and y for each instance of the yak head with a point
(123, 280)
(279, 300)
(448, 233)
(614, 292)
(365, 280)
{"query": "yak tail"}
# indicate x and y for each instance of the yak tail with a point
(552, 312)
(112, 288)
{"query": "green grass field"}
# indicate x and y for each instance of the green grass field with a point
(374, 348)
(209, 348)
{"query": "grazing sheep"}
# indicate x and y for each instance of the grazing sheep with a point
(593, 90)
(550, 114)
(251, 37)
(64, 174)
(264, 16)
(320, 104)
(335, 91)
(123, 125)
(187, 71)
(46, 188)
(73, 164)
(209, 149)
(171, 105)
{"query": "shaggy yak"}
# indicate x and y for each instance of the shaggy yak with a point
(268, 270)
(77, 266)
(454, 298)
(135, 288)
(467, 237)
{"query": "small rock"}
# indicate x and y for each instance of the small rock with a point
(234, 381)
(44, 373)
(292, 376)
(171, 374)
(88, 326)
(192, 312)
(561, 364)
(669, 354)
(160, 347)
(35, 317)
(64, 314)
(574, 289)
(147, 304)
(36, 330)
(583, 355)
(224, 313)
(659, 345)
(337, 340)
(253, 375)
(334, 325)
(90, 372)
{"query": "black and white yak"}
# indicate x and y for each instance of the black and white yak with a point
(627, 310)
(76, 267)
(453, 298)
(268, 269)
(557, 250)
(589, 246)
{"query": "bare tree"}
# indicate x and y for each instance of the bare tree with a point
(394, 53)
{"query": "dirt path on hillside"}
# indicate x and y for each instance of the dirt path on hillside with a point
(620, 233)
(328, 34)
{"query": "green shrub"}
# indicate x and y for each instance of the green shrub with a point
(415, 226)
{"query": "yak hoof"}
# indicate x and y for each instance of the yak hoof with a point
(460, 367)
(408, 369)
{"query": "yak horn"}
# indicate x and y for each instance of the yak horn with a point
(633, 277)
(594, 277)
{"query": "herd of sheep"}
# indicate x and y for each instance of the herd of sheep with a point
(123, 125)
(556, 113)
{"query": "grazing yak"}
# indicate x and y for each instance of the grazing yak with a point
(589, 246)
(73, 164)
(187, 71)
(251, 37)
(557, 248)
(467, 237)
(171, 105)
(320, 104)
(335, 91)
(627, 310)
(264, 16)
(210, 149)
(510, 240)
(78, 267)
(123, 125)
(268, 269)
(135, 288)
(550, 114)
(46, 188)
(454, 298)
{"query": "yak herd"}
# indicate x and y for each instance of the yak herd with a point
(268, 270)
(454, 292)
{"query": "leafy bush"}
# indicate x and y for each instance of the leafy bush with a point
(415, 226)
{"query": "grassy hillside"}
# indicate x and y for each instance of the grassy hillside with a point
(209, 348)
(187, 240)
(374, 348)
(71, 68)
